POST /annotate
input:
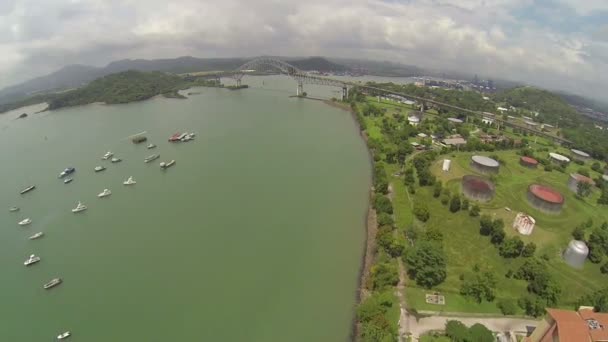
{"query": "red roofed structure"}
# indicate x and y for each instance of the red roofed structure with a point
(583, 325)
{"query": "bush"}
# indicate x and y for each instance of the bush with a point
(457, 331)
(383, 205)
(385, 219)
(475, 210)
(445, 199)
(507, 306)
(421, 212)
(465, 204)
(479, 333)
(529, 250)
(455, 204)
(533, 306)
(604, 268)
(578, 233)
(384, 275)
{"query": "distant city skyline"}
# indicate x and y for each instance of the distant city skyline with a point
(556, 44)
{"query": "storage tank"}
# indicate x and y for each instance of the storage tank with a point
(558, 158)
(483, 164)
(580, 155)
(446, 165)
(545, 199)
(528, 162)
(576, 253)
(477, 188)
(576, 178)
(524, 224)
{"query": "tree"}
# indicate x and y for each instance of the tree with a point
(529, 250)
(597, 299)
(598, 245)
(383, 205)
(384, 274)
(603, 197)
(385, 219)
(465, 204)
(578, 233)
(455, 203)
(545, 287)
(583, 189)
(457, 331)
(480, 333)
(507, 306)
(498, 235)
(437, 189)
(474, 212)
(426, 263)
(434, 235)
(479, 286)
(596, 167)
(532, 305)
(511, 247)
(604, 268)
(421, 212)
(485, 224)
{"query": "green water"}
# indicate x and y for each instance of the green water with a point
(256, 234)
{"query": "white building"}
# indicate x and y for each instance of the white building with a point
(487, 120)
(524, 224)
(446, 165)
(413, 120)
(502, 109)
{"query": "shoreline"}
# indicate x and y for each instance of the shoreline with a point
(371, 229)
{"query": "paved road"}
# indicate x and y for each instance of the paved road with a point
(495, 324)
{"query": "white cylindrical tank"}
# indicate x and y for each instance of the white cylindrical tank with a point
(576, 253)
(524, 224)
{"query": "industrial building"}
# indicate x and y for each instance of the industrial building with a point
(477, 188)
(524, 224)
(558, 158)
(545, 199)
(528, 162)
(576, 253)
(575, 179)
(584, 325)
(485, 165)
(580, 155)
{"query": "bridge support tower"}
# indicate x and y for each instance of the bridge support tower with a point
(344, 93)
(238, 82)
(300, 90)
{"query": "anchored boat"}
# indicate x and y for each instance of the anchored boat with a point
(25, 222)
(80, 207)
(54, 282)
(31, 260)
(164, 165)
(28, 189)
(36, 236)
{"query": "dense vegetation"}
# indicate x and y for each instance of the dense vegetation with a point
(125, 87)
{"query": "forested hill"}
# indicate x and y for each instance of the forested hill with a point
(123, 87)
(552, 108)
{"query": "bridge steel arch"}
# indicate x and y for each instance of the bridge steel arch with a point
(300, 76)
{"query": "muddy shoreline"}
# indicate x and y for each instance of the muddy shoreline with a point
(367, 258)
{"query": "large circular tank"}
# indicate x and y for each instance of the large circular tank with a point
(477, 188)
(545, 199)
(558, 158)
(580, 155)
(528, 162)
(484, 164)
(575, 178)
(576, 253)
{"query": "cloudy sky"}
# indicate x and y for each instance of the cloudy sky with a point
(553, 43)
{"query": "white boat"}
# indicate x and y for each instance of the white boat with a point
(164, 165)
(151, 146)
(107, 156)
(129, 181)
(104, 193)
(64, 335)
(68, 180)
(116, 160)
(54, 282)
(25, 222)
(151, 158)
(66, 172)
(13, 209)
(99, 168)
(80, 207)
(31, 260)
(36, 236)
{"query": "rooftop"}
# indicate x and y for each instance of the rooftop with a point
(581, 178)
(580, 153)
(559, 157)
(584, 325)
(454, 141)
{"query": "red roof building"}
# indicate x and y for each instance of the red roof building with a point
(583, 325)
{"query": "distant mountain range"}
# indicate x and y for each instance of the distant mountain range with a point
(74, 76)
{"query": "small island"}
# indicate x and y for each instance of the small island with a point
(237, 87)
(22, 116)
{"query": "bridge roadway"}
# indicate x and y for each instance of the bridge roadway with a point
(302, 77)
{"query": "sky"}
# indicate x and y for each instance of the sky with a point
(556, 44)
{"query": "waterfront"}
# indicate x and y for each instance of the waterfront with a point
(256, 234)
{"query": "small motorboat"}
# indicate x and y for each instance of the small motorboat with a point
(66, 172)
(150, 146)
(104, 193)
(31, 260)
(25, 222)
(68, 180)
(151, 158)
(107, 156)
(116, 160)
(13, 209)
(54, 282)
(99, 168)
(64, 335)
(164, 165)
(129, 181)
(80, 207)
(36, 236)
(175, 137)
(28, 189)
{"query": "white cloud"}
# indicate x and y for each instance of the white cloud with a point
(481, 36)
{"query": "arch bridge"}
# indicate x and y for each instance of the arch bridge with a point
(285, 68)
